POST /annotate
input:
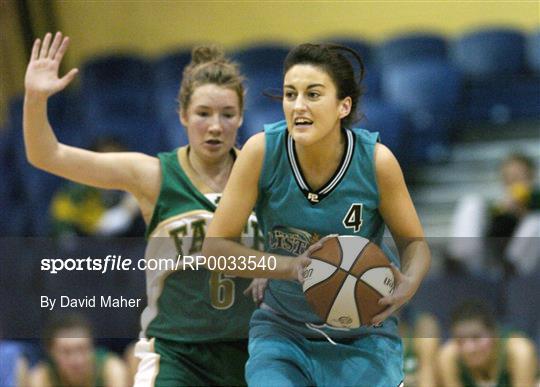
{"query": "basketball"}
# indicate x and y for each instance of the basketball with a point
(345, 280)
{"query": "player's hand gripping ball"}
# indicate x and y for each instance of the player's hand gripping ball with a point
(345, 280)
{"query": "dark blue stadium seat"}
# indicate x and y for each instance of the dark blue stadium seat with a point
(266, 112)
(489, 52)
(262, 66)
(167, 77)
(388, 120)
(429, 91)
(441, 294)
(412, 46)
(533, 51)
(117, 100)
(523, 303)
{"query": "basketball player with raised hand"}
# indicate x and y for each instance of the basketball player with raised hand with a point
(195, 325)
(309, 176)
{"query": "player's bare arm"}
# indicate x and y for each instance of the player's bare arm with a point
(447, 365)
(236, 204)
(522, 360)
(133, 172)
(397, 210)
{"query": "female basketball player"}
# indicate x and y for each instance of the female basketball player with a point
(480, 354)
(309, 176)
(195, 321)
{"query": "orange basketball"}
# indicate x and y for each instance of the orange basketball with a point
(345, 280)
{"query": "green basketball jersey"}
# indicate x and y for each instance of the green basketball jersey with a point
(190, 305)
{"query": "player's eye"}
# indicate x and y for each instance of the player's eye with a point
(203, 114)
(313, 95)
(289, 95)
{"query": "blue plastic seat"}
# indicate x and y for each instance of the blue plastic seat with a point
(533, 51)
(429, 91)
(489, 52)
(255, 118)
(388, 120)
(412, 46)
(440, 295)
(523, 304)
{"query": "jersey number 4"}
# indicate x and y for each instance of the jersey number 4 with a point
(353, 219)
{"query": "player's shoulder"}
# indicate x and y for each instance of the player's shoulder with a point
(365, 136)
(449, 352)
(275, 128)
(520, 347)
(39, 376)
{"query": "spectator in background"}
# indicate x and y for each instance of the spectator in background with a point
(482, 354)
(81, 210)
(508, 223)
(72, 359)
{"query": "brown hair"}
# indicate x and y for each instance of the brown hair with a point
(210, 66)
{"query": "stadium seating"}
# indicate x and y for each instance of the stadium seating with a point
(167, 71)
(117, 93)
(523, 304)
(498, 87)
(387, 119)
(533, 52)
(439, 295)
(429, 91)
(489, 52)
(412, 46)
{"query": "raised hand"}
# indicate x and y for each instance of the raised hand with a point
(42, 72)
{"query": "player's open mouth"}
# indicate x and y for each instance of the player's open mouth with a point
(213, 142)
(302, 122)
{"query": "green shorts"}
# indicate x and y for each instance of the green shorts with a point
(165, 363)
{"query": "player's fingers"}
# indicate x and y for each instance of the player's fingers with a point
(62, 50)
(66, 79)
(55, 44)
(45, 45)
(388, 300)
(35, 50)
(378, 319)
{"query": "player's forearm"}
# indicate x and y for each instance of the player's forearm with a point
(40, 141)
(415, 260)
(268, 265)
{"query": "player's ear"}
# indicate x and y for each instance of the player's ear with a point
(345, 106)
(183, 117)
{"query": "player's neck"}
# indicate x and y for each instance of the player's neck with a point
(212, 174)
(319, 161)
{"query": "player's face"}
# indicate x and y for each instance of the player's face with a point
(212, 120)
(310, 104)
(515, 172)
(476, 342)
(73, 352)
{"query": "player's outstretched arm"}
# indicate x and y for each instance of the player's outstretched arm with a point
(234, 208)
(397, 209)
(126, 171)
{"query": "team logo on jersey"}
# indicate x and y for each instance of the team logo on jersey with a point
(353, 218)
(289, 240)
(313, 197)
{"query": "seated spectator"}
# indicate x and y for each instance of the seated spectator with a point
(509, 223)
(82, 210)
(72, 359)
(482, 354)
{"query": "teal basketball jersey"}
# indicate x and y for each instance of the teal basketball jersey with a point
(292, 216)
(190, 305)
